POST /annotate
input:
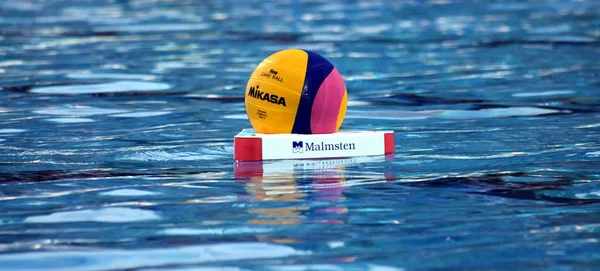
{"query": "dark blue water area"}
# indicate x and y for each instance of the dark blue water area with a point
(117, 119)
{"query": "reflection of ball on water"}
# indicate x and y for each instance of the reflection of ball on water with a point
(296, 91)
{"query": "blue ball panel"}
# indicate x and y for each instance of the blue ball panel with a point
(317, 70)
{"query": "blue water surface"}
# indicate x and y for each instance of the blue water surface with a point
(117, 119)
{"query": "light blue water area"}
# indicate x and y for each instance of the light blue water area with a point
(117, 119)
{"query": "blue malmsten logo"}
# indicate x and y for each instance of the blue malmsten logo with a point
(301, 146)
(297, 146)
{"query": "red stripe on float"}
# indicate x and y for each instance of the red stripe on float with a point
(388, 139)
(247, 149)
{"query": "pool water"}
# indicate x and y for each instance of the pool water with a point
(117, 119)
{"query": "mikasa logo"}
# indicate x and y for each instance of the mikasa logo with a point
(300, 146)
(272, 98)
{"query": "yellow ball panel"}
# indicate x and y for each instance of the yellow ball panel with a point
(269, 121)
(286, 69)
(342, 112)
(291, 59)
(273, 91)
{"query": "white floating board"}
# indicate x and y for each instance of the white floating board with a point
(251, 146)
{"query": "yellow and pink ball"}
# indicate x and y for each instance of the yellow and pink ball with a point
(296, 92)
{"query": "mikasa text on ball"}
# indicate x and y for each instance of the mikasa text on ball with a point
(296, 91)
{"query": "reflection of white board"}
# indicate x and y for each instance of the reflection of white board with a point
(309, 165)
(250, 146)
(316, 169)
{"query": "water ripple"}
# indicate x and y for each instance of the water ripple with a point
(112, 76)
(70, 120)
(78, 111)
(11, 131)
(108, 215)
(149, 28)
(108, 259)
(171, 156)
(140, 114)
(543, 93)
(114, 87)
(127, 193)
(214, 231)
